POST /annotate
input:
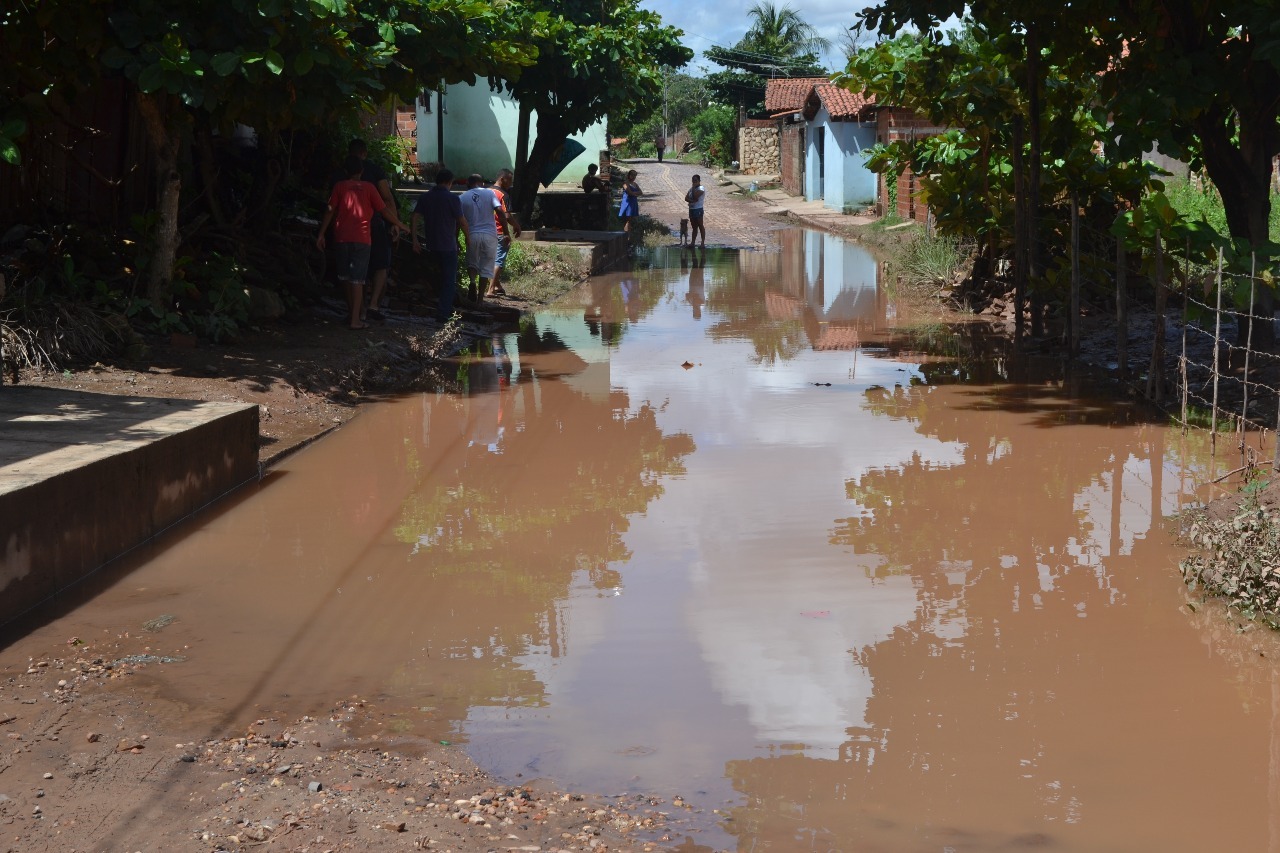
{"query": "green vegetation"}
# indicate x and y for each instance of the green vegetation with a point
(928, 260)
(1203, 203)
(1038, 92)
(226, 223)
(713, 131)
(543, 273)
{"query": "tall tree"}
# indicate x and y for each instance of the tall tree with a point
(779, 43)
(594, 58)
(1200, 79)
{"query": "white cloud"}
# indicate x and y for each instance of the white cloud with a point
(707, 24)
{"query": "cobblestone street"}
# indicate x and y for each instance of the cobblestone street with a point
(732, 221)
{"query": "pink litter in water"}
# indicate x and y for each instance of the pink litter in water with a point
(815, 614)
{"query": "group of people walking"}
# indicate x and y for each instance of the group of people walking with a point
(365, 223)
(362, 211)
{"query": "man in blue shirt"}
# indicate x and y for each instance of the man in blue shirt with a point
(441, 213)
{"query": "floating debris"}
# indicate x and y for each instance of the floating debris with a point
(162, 621)
(138, 660)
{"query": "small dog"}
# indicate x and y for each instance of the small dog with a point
(684, 231)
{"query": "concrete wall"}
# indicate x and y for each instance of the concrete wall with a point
(89, 477)
(758, 150)
(480, 133)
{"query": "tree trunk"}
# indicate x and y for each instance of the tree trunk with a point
(1243, 178)
(166, 139)
(1020, 227)
(550, 136)
(522, 148)
(209, 175)
(1034, 80)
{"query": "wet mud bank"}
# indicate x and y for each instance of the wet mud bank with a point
(1237, 552)
(94, 756)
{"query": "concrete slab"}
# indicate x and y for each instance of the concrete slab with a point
(86, 477)
(605, 248)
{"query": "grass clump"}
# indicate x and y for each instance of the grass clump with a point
(928, 260)
(543, 272)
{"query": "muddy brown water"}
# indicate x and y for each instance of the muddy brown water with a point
(709, 530)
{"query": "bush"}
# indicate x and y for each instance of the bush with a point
(929, 260)
(712, 130)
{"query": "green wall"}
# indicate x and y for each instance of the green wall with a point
(480, 133)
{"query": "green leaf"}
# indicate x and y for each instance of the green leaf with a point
(115, 57)
(274, 61)
(304, 63)
(128, 28)
(387, 32)
(225, 63)
(9, 153)
(151, 78)
(13, 128)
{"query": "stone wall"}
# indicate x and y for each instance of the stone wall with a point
(758, 152)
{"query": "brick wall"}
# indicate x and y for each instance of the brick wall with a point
(894, 124)
(792, 155)
(407, 127)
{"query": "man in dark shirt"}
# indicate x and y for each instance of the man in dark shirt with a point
(440, 211)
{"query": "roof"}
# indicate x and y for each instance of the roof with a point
(789, 93)
(841, 104)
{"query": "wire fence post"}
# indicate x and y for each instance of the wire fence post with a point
(1155, 375)
(1122, 310)
(1075, 276)
(1186, 307)
(1217, 346)
(1248, 348)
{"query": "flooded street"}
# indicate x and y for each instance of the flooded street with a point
(711, 529)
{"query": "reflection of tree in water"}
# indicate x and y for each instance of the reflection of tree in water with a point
(973, 702)
(524, 488)
(623, 298)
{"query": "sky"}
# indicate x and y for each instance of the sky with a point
(709, 23)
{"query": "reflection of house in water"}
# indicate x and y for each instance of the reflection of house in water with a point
(831, 284)
(592, 378)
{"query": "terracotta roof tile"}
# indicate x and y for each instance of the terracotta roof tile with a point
(789, 93)
(840, 102)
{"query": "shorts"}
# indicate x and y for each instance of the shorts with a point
(500, 258)
(695, 214)
(351, 260)
(482, 253)
(380, 248)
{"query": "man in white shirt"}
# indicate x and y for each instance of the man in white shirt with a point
(484, 215)
(696, 198)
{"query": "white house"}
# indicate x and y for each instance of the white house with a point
(840, 127)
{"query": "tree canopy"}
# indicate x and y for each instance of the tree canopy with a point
(593, 59)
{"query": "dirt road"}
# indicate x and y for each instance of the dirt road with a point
(732, 220)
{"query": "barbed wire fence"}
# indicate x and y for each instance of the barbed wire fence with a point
(1208, 364)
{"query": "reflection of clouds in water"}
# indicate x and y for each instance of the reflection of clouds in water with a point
(794, 667)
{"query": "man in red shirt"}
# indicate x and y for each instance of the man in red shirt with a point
(351, 208)
(506, 232)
